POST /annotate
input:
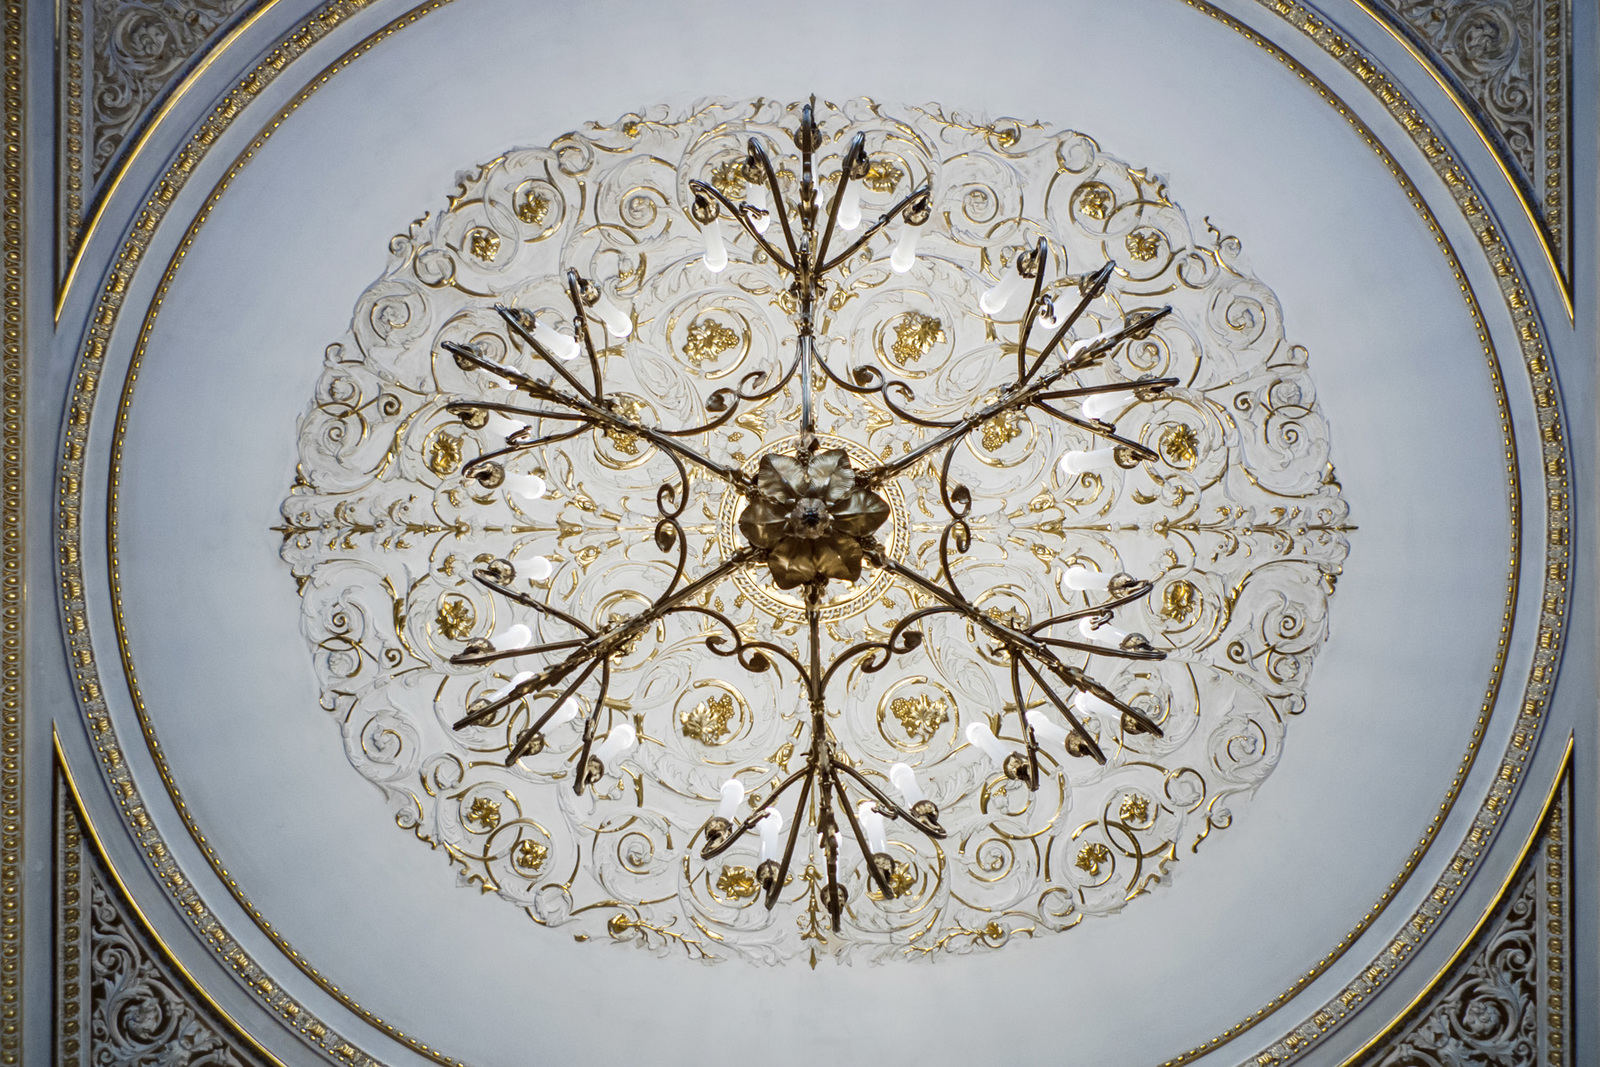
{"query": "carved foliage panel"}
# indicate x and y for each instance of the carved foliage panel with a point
(1508, 1001)
(118, 1000)
(1239, 523)
(1510, 58)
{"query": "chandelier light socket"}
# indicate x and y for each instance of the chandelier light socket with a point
(767, 874)
(717, 830)
(883, 863)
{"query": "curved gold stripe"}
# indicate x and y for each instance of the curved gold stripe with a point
(127, 898)
(146, 132)
(1488, 913)
(1529, 210)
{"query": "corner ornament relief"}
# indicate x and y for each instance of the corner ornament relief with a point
(1241, 528)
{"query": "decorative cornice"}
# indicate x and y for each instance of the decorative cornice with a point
(1507, 63)
(1505, 998)
(120, 995)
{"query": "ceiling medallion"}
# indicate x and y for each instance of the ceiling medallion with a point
(707, 567)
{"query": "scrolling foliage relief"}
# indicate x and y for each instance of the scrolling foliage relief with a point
(1238, 523)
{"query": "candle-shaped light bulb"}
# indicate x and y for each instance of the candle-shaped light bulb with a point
(499, 425)
(980, 735)
(1099, 405)
(1105, 633)
(1097, 459)
(618, 741)
(1083, 345)
(516, 680)
(872, 826)
(618, 324)
(1002, 293)
(756, 197)
(515, 636)
(716, 251)
(538, 567)
(527, 486)
(560, 345)
(565, 713)
(1086, 703)
(905, 249)
(1047, 732)
(850, 207)
(1082, 578)
(732, 794)
(905, 780)
(769, 826)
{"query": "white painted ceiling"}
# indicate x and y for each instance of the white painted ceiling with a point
(212, 618)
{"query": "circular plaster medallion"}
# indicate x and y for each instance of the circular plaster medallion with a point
(1238, 524)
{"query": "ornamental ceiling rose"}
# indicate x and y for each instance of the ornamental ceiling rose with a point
(1051, 608)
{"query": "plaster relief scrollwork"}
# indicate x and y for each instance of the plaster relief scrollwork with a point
(140, 48)
(1240, 524)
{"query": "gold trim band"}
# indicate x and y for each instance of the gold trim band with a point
(13, 339)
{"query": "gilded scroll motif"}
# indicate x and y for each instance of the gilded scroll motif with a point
(1240, 524)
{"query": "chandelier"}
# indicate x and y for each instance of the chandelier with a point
(810, 517)
(898, 517)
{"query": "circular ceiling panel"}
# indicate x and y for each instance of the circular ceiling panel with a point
(430, 520)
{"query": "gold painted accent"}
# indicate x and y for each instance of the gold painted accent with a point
(1143, 245)
(455, 617)
(1134, 809)
(1095, 200)
(707, 721)
(737, 883)
(1091, 857)
(623, 441)
(484, 812)
(921, 715)
(707, 339)
(1004, 427)
(444, 453)
(727, 178)
(530, 856)
(1179, 600)
(534, 208)
(883, 176)
(484, 244)
(1180, 445)
(915, 334)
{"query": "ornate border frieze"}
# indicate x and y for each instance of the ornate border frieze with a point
(1508, 60)
(12, 339)
(137, 51)
(1505, 998)
(120, 997)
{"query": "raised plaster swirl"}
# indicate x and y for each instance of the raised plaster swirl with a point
(1239, 524)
